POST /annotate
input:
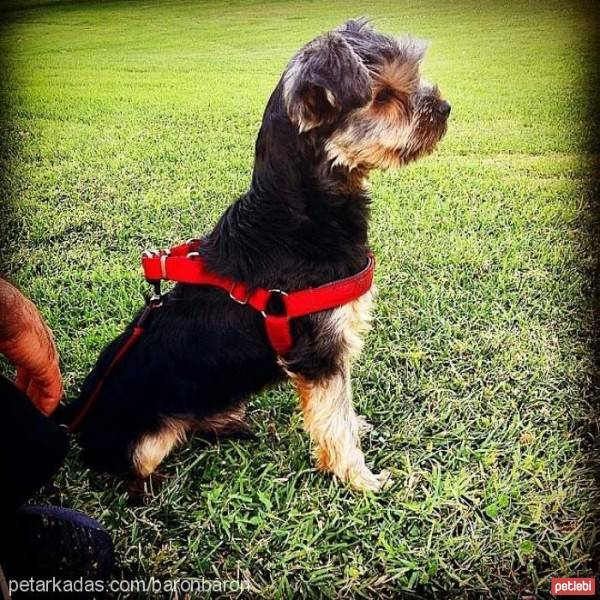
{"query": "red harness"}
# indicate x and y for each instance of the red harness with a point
(184, 264)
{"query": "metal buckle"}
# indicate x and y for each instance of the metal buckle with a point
(156, 299)
(274, 291)
(242, 302)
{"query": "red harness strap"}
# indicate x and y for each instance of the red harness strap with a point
(184, 264)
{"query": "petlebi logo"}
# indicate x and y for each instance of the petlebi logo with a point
(573, 586)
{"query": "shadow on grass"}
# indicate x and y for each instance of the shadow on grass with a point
(593, 238)
(12, 7)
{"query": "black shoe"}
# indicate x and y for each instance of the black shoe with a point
(51, 543)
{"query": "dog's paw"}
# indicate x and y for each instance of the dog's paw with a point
(364, 426)
(141, 488)
(365, 481)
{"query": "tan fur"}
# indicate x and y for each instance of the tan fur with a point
(385, 134)
(401, 76)
(372, 138)
(329, 416)
(223, 424)
(334, 428)
(152, 448)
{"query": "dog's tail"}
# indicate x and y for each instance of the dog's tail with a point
(69, 414)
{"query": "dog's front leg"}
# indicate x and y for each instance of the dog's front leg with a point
(334, 428)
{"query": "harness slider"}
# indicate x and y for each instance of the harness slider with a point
(234, 298)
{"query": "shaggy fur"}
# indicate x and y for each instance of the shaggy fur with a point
(350, 101)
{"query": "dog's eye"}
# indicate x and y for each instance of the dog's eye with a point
(383, 96)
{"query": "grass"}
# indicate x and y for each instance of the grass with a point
(128, 125)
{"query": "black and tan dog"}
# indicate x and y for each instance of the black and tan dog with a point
(350, 101)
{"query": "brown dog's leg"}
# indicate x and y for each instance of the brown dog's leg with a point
(152, 448)
(334, 428)
(228, 424)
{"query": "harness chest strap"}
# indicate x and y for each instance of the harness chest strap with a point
(184, 264)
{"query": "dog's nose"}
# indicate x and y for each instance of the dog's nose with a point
(444, 109)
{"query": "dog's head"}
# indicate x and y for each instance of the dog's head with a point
(362, 93)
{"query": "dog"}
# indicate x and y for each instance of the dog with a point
(350, 101)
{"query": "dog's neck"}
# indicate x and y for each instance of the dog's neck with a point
(300, 216)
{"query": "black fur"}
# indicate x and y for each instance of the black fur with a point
(330, 64)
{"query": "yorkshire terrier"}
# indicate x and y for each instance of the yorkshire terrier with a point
(350, 101)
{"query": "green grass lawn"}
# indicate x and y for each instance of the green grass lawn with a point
(131, 125)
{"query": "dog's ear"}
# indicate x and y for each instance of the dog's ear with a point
(325, 79)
